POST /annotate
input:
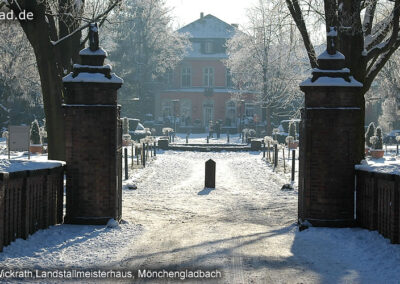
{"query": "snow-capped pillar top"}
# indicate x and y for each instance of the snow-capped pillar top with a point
(331, 71)
(92, 74)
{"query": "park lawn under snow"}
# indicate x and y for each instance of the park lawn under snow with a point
(245, 227)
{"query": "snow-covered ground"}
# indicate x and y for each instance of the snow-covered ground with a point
(245, 227)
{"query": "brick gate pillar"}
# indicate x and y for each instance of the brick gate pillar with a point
(329, 141)
(93, 139)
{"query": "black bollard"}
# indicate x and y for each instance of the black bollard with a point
(155, 149)
(293, 164)
(187, 139)
(208, 139)
(228, 137)
(132, 155)
(137, 155)
(275, 155)
(126, 162)
(210, 174)
(263, 143)
(144, 155)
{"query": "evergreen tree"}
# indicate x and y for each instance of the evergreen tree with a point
(35, 135)
(370, 132)
(379, 143)
(292, 129)
(145, 48)
(125, 125)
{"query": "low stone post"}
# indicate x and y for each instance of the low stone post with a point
(263, 147)
(210, 174)
(144, 154)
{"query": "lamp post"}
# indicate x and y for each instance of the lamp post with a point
(241, 116)
(175, 104)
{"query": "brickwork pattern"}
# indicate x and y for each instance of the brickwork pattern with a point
(378, 203)
(29, 201)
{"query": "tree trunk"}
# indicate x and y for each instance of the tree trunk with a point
(50, 72)
(268, 119)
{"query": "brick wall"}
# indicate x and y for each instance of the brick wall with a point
(29, 201)
(93, 163)
(378, 203)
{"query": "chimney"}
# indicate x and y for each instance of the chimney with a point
(236, 26)
(201, 15)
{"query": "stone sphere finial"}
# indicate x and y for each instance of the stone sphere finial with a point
(93, 37)
(331, 41)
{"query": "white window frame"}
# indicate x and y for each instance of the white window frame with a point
(208, 77)
(186, 71)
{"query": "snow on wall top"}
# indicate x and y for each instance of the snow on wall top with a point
(385, 166)
(208, 27)
(24, 165)
(98, 52)
(85, 77)
(331, 82)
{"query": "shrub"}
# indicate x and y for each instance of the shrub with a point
(252, 133)
(35, 135)
(5, 134)
(379, 143)
(370, 132)
(268, 139)
(292, 129)
(373, 141)
(289, 139)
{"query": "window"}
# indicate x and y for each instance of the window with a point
(186, 111)
(209, 47)
(229, 83)
(186, 77)
(208, 77)
(170, 78)
(249, 109)
(166, 108)
(230, 115)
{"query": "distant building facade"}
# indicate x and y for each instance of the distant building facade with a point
(199, 89)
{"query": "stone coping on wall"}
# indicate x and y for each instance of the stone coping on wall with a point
(8, 166)
(386, 165)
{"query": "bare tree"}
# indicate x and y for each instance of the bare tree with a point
(368, 34)
(367, 31)
(264, 59)
(19, 79)
(55, 36)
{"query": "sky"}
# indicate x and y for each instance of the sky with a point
(230, 11)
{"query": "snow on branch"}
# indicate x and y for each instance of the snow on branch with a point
(95, 19)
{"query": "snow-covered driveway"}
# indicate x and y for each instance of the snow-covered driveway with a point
(230, 228)
(244, 228)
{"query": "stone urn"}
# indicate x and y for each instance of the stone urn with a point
(36, 148)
